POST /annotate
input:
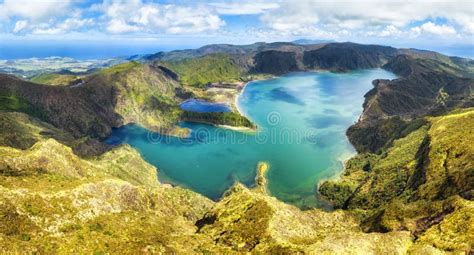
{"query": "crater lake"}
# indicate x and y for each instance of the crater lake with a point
(302, 119)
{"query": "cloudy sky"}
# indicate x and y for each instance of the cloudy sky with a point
(201, 22)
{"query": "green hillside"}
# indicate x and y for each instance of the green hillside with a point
(203, 70)
(53, 79)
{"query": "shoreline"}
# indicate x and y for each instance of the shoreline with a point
(238, 129)
(236, 98)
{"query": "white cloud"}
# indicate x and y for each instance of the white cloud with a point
(384, 18)
(20, 25)
(243, 8)
(431, 28)
(43, 16)
(390, 31)
(34, 9)
(136, 16)
(68, 25)
(466, 22)
(117, 26)
(337, 19)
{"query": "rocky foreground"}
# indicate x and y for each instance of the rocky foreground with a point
(52, 201)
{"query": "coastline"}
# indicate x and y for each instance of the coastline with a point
(236, 98)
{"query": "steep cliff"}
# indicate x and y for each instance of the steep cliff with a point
(274, 62)
(394, 107)
(424, 182)
(348, 56)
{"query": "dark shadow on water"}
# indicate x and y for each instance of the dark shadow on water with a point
(281, 94)
(324, 139)
(330, 111)
(321, 121)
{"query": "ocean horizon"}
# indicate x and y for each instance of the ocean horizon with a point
(12, 50)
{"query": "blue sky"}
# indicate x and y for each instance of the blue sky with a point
(183, 23)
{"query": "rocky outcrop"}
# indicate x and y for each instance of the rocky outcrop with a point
(54, 202)
(248, 220)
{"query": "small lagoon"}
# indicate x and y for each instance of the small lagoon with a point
(302, 119)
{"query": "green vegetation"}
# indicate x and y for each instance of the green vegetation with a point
(19, 130)
(147, 95)
(67, 203)
(207, 69)
(439, 150)
(218, 118)
(13, 103)
(53, 79)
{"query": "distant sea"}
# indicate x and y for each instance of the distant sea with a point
(94, 50)
(81, 51)
(465, 51)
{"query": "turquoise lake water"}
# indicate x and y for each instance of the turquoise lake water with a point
(301, 118)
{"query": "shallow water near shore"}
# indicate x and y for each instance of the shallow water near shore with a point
(301, 118)
(197, 105)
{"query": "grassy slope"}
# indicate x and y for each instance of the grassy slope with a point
(19, 130)
(203, 70)
(53, 79)
(9, 102)
(54, 202)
